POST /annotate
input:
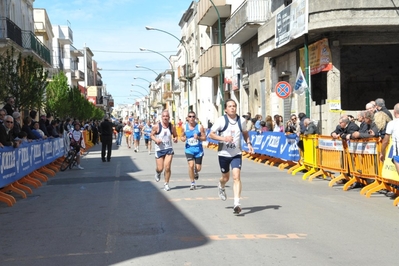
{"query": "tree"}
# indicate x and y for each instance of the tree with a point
(57, 96)
(24, 79)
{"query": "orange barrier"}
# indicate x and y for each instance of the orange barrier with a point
(363, 161)
(331, 156)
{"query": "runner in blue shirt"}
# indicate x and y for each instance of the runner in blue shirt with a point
(136, 134)
(147, 135)
(193, 134)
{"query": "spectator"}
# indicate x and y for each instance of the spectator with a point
(345, 128)
(52, 129)
(32, 115)
(381, 120)
(9, 106)
(269, 123)
(311, 128)
(302, 127)
(292, 125)
(17, 123)
(26, 128)
(258, 118)
(6, 135)
(368, 129)
(380, 105)
(278, 125)
(263, 127)
(371, 107)
(250, 125)
(42, 125)
(38, 132)
(3, 113)
(23, 136)
(363, 125)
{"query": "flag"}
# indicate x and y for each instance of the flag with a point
(218, 97)
(300, 83)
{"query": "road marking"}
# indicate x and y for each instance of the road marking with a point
(244, 237)
(201, 198)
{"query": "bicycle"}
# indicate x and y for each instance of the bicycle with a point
(70, 160)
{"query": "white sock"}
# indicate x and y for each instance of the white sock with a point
(236, 201)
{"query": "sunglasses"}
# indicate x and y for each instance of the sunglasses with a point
(191, 116)
(11, 122)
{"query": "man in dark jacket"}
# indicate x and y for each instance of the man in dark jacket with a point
(106, 132)
(380, 105)
(119, 130)
(9, 106)
(6, 133)
(345, 128)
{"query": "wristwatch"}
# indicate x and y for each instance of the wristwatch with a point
(249, 143)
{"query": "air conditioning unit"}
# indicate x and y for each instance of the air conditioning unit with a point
(240, 62)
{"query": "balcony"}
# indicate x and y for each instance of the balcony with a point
(31, 42)
(246, 20)
(209, 62)
(77, 75)
(9, 30)
(207, 14)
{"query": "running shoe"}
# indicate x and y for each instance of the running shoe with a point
(135, 150)
(193, 187)
(79, 167)
(166, 187)
(237, 209)
(222, 193)
(157, 177)
(196, 176)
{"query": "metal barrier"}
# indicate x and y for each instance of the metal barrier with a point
(331, 158)
(363, 160)
(308, 155)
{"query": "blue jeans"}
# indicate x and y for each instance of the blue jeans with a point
(119, 139)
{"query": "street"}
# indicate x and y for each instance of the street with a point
(114, 213)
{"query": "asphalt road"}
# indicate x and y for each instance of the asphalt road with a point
(114, 213)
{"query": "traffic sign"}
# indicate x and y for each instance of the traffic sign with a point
(283, 89)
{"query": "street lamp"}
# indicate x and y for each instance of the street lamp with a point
(146, 90)
(186, 68)
(172, 81)
(142, 79)
(220, 55)
(138, 66)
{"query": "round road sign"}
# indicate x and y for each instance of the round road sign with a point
(283, 89)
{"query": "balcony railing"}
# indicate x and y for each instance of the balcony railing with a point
(246, 20)
(25, 39)
(209, 62)
(10, 30)
(31, 42)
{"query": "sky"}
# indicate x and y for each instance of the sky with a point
(114, 30)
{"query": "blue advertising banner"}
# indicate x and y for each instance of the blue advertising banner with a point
(29, 156)
(275, 144)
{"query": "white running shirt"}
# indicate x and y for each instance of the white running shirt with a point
(393, 130)
(166, 136)
(227, 149)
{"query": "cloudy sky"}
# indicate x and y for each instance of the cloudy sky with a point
(115, 30)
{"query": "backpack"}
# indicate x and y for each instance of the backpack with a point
(226, 124)
(160, 128)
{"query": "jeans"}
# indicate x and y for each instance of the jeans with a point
(119, 138)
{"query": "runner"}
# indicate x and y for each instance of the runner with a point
(193, 134)
(136, 134)
(228, 130)
(162, 134)
(128, 130)
(147, 135)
